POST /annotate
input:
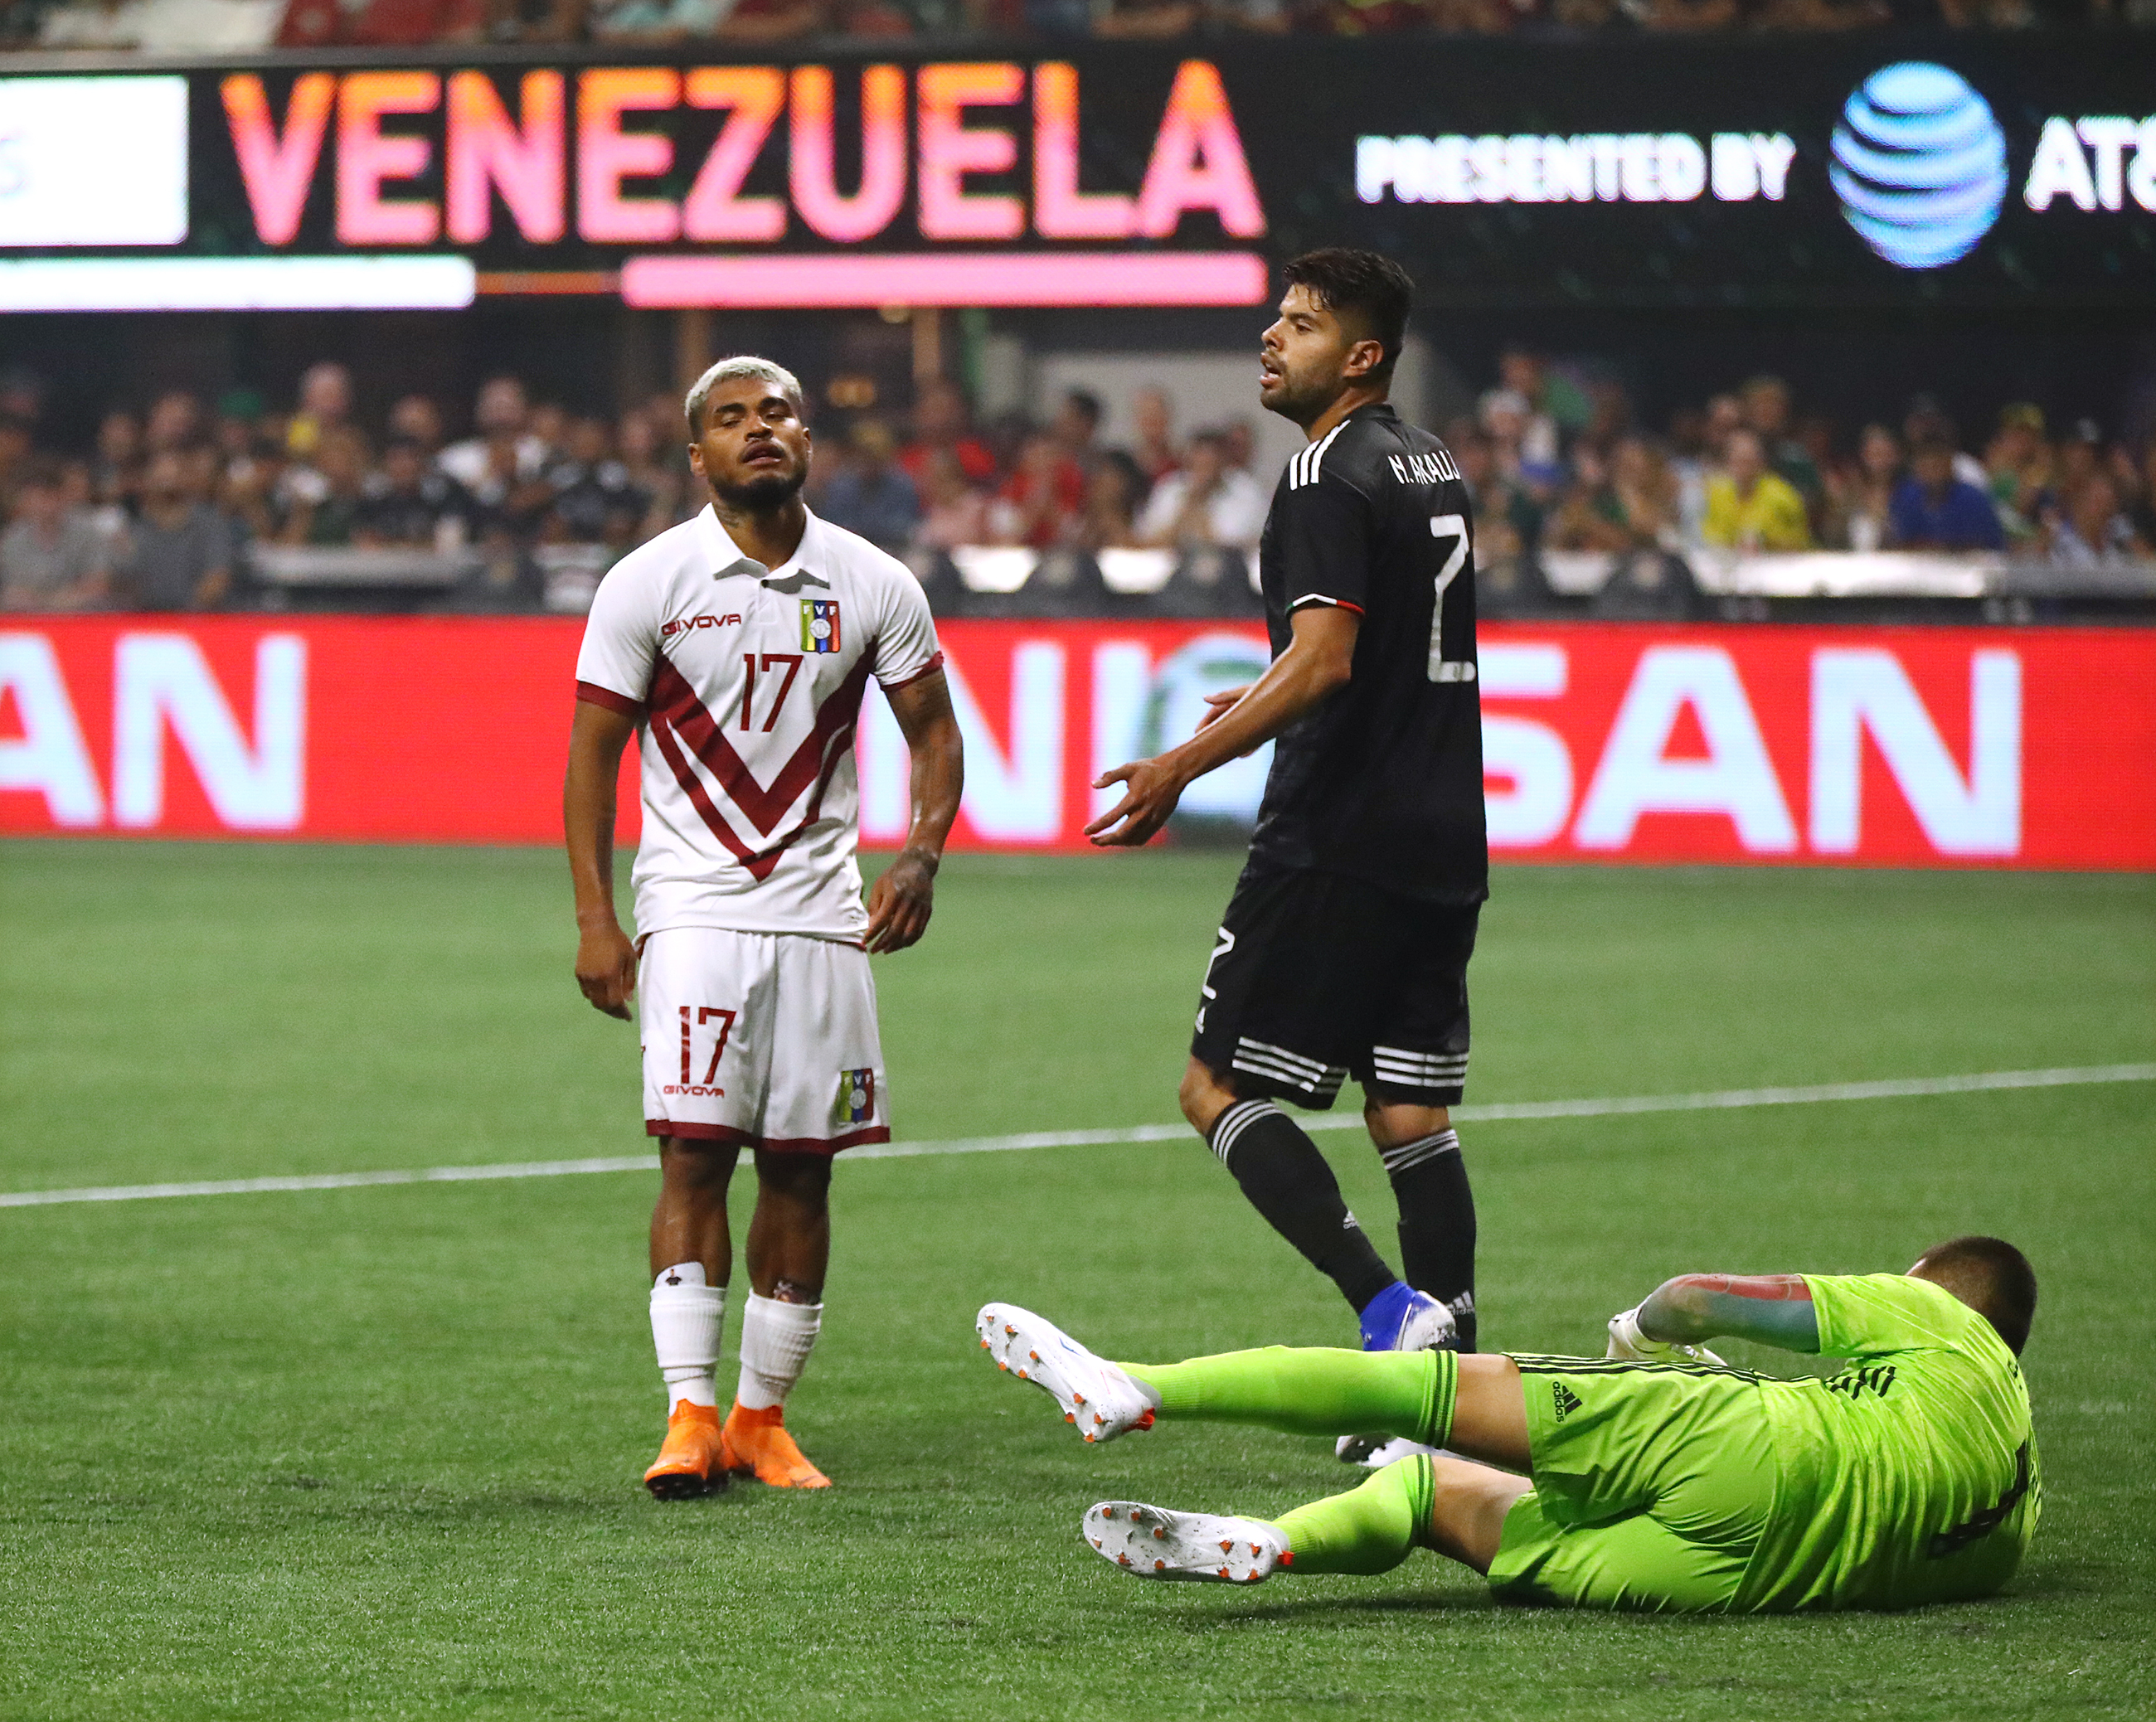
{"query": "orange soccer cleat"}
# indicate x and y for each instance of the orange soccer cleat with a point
(755, 1442)
(692, 1462)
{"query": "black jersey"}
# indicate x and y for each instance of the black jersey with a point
(1384, 782)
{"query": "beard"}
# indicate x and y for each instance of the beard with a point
(1298, 398)
(764, 492)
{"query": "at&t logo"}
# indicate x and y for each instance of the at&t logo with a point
(1919, 164)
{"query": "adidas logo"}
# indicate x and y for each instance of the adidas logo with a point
(1566, 1400)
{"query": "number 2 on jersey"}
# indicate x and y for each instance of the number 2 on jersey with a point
(1441, 668)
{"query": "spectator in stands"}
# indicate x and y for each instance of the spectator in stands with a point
(324, 407)
(15, 451)
(503, 451)
(1524, 454)
(409, 504)
(955, 511)
(416, 419)
(325, 506)
(1646, 494)
(1927, 422)
(1207, 501)
(1933, 510)
(595, 499)
(870, 493)
(53, 557)
(1691, 466)
(942, 423)
(116, 469)
(179, 552)
(1556, 406)
(503, 469)
(550, 425)
(2080, 457)
(1588, 515)
(1751, 508)
(1240, 439)
(1507, 524)
(254, 464)
(1045, 492)
(2092, 531)
(1765, 401)
(1153, 420)
(1077, 427)
(1113, 490)
(175, 422)
(655, 466)
(1864, 498)
(2144, 511)
(2019, 463)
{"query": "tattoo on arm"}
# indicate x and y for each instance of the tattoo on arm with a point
(1771, 1308)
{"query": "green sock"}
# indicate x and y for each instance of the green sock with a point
(1313, 1392)
(1366, 1529)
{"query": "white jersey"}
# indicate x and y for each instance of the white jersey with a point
(748, 684)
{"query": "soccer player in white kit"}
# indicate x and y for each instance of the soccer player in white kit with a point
(737, 646)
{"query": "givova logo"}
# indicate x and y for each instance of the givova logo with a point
(1919, 164)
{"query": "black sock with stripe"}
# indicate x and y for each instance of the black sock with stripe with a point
(1290, 1183)
(1437, 1223)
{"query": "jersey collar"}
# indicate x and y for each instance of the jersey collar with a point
(798, 570)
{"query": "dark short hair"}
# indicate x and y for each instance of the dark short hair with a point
(1991, 1277)
(1364, 286)
(1086, 401)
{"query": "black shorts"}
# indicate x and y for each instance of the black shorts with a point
(1316, 977)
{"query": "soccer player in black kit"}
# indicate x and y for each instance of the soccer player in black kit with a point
(1344, 950)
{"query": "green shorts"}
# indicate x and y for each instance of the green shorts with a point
(1653, 1483)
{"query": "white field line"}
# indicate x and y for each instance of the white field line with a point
(1895, 1088)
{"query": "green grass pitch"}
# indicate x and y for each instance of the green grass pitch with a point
(374, 1452)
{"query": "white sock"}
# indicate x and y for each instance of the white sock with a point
(686, 1315)
(776, 1341)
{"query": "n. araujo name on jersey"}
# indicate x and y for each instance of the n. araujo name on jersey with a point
(749, 682)
(1434, 468)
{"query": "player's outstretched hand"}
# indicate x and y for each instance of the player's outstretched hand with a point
(1627, 1343)
(606, 968)
(1151, 791)
(900, 903)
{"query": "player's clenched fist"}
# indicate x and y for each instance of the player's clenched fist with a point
(606, 968)
(900, 903)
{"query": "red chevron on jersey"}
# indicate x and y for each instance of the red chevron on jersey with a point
(678, 718)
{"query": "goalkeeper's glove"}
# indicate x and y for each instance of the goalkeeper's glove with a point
(1629, 1343)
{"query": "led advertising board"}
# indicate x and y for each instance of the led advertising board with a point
(1602, 742)
(1849, 170)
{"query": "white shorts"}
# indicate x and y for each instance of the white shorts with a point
(766, 1040)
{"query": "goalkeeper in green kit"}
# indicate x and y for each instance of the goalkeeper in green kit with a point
(1656, 1478)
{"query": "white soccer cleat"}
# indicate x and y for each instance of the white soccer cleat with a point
(1098, 1399)
(1156, 1543)
(1373, 1453)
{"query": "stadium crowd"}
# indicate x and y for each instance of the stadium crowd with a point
(237, 26)
(162, 513)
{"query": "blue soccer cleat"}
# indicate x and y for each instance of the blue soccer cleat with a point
(1401, 1319)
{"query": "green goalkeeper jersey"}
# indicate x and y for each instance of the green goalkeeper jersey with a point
(1910, 1476)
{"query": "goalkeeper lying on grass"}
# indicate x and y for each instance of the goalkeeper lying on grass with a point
(1658, 1478)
